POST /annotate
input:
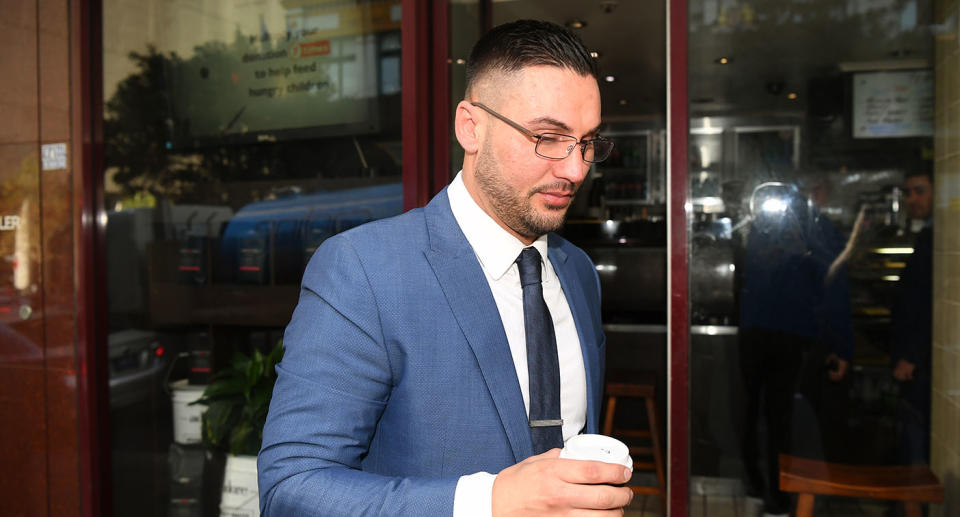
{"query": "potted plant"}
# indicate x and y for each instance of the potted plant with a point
(237, 400)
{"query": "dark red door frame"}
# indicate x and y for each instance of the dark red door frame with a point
(425, 77)
(679, 321)
(415, 81)
(425, 99)
(440, 83)
(86, 108)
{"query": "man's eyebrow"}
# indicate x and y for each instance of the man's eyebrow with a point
(549, 121)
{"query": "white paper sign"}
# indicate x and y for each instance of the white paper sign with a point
(54, 156)
(893, 104)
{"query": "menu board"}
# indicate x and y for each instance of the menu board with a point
(893, 104)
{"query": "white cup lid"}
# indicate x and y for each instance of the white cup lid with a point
(597, 447)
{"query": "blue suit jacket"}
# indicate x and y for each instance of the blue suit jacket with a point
(397, 377)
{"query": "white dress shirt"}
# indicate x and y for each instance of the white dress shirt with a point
(497, 251)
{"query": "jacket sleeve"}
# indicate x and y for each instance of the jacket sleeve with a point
(332, 387)
(912, 323)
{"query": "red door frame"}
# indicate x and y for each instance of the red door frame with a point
(678, 324)
(425, 111)
(86, 110)
(425, 99)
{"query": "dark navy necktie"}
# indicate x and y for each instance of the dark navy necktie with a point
(543, 367)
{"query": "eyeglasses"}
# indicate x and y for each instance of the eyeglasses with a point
(554, 146)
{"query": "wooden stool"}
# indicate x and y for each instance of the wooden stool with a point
(913, 484)
(634, 384)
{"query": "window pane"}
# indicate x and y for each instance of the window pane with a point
(238, 137)
(808, 121)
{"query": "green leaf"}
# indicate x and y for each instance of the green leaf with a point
(240, 442)
(224, 388)
(238, 400)
(240, 362)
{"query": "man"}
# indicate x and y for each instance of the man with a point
(911, 327)
(426, 353)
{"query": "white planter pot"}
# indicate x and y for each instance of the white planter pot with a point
(186, 418)
(240, 496)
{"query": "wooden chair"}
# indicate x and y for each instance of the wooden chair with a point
(913, 484)
(642, 385)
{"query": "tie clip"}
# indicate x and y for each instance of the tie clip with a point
(545, 423)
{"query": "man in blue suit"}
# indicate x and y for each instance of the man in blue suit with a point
(437, 360)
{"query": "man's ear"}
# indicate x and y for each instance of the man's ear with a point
(465, 126)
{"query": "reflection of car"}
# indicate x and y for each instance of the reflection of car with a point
(136, 366)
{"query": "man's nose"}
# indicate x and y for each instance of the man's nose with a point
(573, 168)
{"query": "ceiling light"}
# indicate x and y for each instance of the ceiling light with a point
(594, 54)
(460, 61)
(792, 96)
(609, 78)
(722, 60)
(576, 24)
(623, 102)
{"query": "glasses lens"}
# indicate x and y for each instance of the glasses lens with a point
(597, 150)
(555, 146)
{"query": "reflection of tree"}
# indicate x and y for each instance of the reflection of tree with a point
(141, 130)
(137, 128)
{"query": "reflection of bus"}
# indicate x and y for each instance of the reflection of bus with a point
(270, 242)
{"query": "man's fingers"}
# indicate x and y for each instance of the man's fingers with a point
(598, 497)
(583, 472)
(595, 513)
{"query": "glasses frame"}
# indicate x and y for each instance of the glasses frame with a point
(539, 137)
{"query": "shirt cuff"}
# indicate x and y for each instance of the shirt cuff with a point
(474, 495)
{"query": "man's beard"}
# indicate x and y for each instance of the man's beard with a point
(514, 208)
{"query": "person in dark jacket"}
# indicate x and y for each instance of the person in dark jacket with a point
(912, 328)
(788, 305)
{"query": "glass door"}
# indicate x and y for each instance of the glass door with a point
(811, 163)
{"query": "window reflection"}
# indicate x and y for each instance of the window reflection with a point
(238, 137)
(803, 139)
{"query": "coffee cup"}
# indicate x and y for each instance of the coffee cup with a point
(597, 447)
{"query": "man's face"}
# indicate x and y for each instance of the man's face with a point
(919, 196)
(526, 193)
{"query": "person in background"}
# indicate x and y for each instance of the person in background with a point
(788, 306)
(912, 327)
(438, 360)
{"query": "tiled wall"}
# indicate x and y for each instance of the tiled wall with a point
(38, 382)
(945, 443)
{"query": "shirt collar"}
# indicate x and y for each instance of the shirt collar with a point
(496, 249)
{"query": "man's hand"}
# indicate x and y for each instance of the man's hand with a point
(903, 371)
(548, 485)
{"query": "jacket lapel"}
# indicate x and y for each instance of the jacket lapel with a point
(588, 339)
(475, 310)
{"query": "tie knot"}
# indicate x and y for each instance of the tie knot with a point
(529, 265)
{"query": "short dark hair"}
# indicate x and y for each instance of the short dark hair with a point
(512, 46)
(914, 174)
